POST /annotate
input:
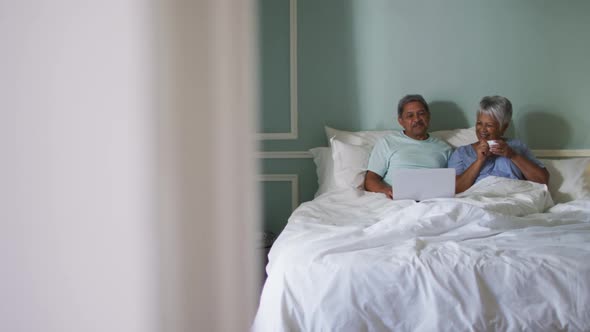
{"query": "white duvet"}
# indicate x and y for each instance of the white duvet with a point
(499, 257)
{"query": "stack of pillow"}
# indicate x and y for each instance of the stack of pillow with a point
(344, 163)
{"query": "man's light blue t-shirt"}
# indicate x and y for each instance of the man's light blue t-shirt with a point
(400, 151)
(466, 155)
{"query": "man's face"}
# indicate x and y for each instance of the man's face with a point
(415, 120)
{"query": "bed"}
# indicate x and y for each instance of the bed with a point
(505, 255)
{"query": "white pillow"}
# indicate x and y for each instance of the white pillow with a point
(322, 157)
(455, 137)
(366, 137)
(569, 179)
(350, 163)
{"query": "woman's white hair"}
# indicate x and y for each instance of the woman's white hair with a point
(498, 107)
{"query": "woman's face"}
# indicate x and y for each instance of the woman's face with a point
(487, 128)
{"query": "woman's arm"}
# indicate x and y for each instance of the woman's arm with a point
(374, 183)
(529, 169)
(466, 179)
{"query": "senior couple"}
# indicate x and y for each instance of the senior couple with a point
(413, 147)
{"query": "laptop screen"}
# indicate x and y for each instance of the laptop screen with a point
(423, 183)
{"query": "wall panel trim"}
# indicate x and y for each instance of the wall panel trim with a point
(284, 155)
(293, 132)
(293, 179)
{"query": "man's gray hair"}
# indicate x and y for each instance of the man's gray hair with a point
(498, 107)
(408, 99)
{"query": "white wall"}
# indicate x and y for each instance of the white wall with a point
(206, 52)
(128, 199)
(77, 242)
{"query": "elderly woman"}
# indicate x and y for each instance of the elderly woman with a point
(494, 154)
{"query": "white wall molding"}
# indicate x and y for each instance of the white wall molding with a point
(561, 153)
(293, 179)
(539, 153)
(293, 132)
(284, 155)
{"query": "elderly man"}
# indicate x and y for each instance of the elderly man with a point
(411, 148)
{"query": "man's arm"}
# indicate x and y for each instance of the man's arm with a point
(374, 182)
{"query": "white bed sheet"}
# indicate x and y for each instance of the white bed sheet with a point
(497, 257)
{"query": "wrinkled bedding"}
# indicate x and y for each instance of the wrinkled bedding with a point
(498, 257)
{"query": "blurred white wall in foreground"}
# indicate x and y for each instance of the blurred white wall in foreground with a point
(122, 167)
(207, 87)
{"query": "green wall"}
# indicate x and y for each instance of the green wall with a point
(357, 58)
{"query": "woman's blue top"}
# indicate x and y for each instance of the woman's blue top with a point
(466, 155)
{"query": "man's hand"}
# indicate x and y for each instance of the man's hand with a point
(374, 182)
(389, 192)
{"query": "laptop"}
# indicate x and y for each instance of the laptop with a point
(423, 183)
